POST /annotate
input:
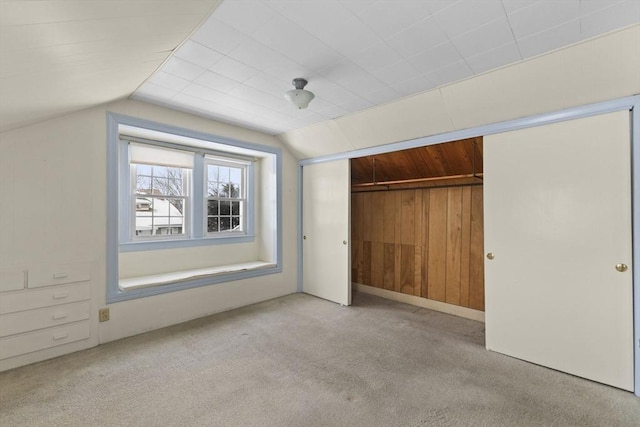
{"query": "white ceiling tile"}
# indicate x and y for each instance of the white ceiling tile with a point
(341, 37)
(304, 49)
(233, 69)
(494, 58)
(356, 6)
(272, 85)
(465, 16)
(168, 81)
(245, 16)
(415, 85)
(355, 103)
(553, 38)
(332, 112)
(511, 6)
(183, 69)
(388, 18)
(257, 96)
(218, 36)
(378, 56)
(435, 58)
(616, 16)
(450, 73)
(543, 15)
(216, 81)
(261, 57)
(589, 6)
(489, 36)
(436, 6)
(422, 36)
(382, 96)
(317, 17)
(202, 92)
(198, 54)
(398, 72)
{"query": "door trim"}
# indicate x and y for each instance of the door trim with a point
(630, 103)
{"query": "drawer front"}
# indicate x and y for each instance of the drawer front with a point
(45, 338)
(58, 274)
(28, 300)
(31, 320)
(11, 280)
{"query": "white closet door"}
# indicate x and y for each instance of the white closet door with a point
(325, 224)
(558, 221)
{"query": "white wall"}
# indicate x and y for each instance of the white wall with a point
(600, 69)
(53, 210)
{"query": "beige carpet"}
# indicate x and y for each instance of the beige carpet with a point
(302, 361)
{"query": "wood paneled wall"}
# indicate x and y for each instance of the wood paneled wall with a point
(424, 242)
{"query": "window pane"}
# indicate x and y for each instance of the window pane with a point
(225, 208)
(223, 190)
(212, 188)
(160, 171)
(143, 170)
(160, 186)
(178, 205)
(143, 185)
(235, 208)
(235, 191)
(212, 207)
(236, 176)
(174, 187)
(225, 223)
(212, 173)
(224, 174)
(212, 224)
(235, 223)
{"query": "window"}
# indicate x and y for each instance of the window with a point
(182, 193)
(177, 198)
(225, 193)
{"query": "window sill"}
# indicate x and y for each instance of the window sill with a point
(182, 276)
(183, 243)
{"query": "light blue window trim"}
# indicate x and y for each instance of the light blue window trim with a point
(630, 103)
(197, 204)
(117, 191)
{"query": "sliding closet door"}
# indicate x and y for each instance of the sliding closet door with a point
(325, 223)
(557, 230)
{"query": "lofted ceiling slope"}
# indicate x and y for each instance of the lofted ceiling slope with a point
(58, 56)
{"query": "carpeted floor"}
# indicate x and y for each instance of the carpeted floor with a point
(303, 361)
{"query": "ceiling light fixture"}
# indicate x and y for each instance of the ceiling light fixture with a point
(299, 97)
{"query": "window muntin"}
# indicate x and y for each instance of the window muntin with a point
(226, 189)
(160, 201)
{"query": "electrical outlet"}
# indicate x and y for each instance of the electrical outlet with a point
(103, 314)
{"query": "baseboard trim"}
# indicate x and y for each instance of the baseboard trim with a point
(443, 307)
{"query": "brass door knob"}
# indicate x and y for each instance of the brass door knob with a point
(621, 267)
(490, 255)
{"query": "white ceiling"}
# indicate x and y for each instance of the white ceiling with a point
(58, 56)
(358, 53)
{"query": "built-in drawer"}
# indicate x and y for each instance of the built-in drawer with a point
(16, 345)
(58, 274)
(28, 300)
(40, 318)
(11, 280)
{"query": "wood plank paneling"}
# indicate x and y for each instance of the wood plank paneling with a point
(437, 261)
(389, 276)
(407, 263)
(454, 245)
(476, 252)
(429, 243)
(465, 245)
(377, 264)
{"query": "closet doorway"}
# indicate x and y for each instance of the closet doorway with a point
(417, 225)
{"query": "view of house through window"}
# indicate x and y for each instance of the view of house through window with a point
(160, 199)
